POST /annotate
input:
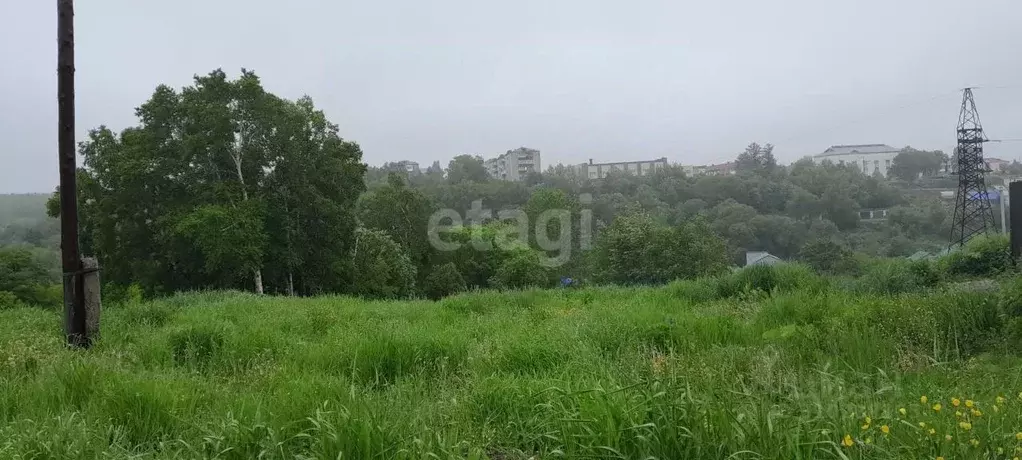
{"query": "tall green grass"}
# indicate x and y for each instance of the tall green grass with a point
(761, 363)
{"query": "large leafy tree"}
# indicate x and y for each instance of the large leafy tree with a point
(381, 267)
(219, 184)
(403, 213)
(910, 163)
(636, 249)
(467, 168)
(757, 158)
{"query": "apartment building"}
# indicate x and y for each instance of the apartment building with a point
(514, 165)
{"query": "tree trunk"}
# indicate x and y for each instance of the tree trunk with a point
(236, 156)
(290, 283)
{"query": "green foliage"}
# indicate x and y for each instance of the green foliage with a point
(442, 281)
(981, 256)
(467, 168)
(224, 185)
(521, 269)
(826, 256)
(403, 213)
(635, 249)
(8, 300)
(757, 158)
(895, 276)
(768, 279)
(25, 275)
(229, 238)
(645, 372)
(910, 163)
(381, 267)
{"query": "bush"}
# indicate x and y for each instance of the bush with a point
(770, 279)
(9, 301)
(114, 293)
(443, 280)
(891, 276)
(522, 270)
(981, 257)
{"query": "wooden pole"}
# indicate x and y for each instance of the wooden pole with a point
(74, 293)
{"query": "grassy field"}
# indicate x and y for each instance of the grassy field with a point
(689, 370)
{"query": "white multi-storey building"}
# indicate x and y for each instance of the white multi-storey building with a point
(515, 164)
(868, 158)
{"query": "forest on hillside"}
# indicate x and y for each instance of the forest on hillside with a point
(223, 185)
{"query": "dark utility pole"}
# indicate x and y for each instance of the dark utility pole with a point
(973, 215)
(74, 293)
(1015, 217)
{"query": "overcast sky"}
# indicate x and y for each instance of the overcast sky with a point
(577, 79)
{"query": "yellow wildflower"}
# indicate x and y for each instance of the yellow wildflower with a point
(958, 413)
(922, 424)
(948, 437)
(969, 403)
(974, 442)
(868, 420)
(940, 458)
(922, 399)
(886, 429)
(977, 413)
(902, 411)
(932, 431)
(869, 440)
(1001, 400)
(936, 407)
(847, 441)
(955, 402)
(1020, 395)
(966, 426)
(1018, 436)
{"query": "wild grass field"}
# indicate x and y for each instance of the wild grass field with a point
(707, 369)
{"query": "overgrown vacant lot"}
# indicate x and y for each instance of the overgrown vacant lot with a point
(684, 371)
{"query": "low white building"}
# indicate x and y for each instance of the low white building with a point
(868, 158)
(635, 168)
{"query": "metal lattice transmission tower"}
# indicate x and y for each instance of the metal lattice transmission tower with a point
(973, 214)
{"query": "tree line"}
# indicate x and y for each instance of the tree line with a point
(224, 185)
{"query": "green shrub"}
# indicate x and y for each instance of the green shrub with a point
(981, 257)
(1010, 301)
(786, 277)
(890, 276)
(114, 293)
(1013, 335)
(522, 270)
(442, 281)
(9, 301)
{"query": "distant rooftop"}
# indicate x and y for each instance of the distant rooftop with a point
(857, 148)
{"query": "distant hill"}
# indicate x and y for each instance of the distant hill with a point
(24, 206)
(23, 220)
